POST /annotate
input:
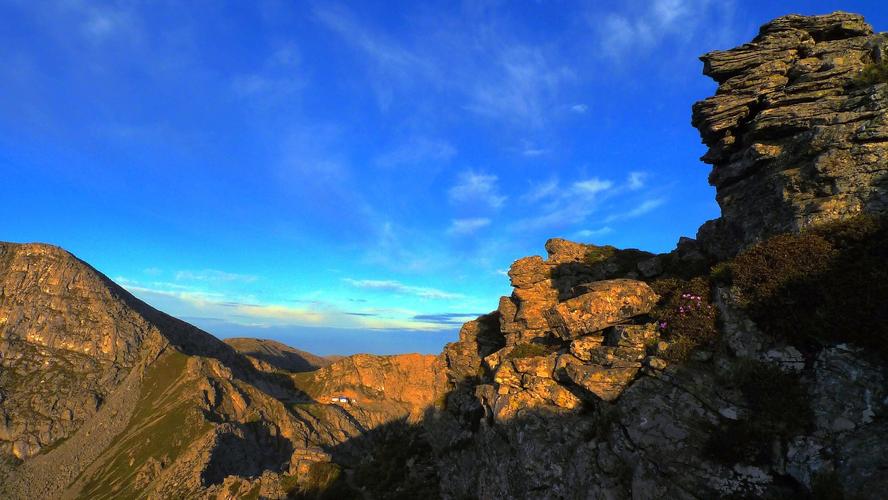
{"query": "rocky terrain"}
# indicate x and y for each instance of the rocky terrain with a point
(749, 363)
(102, 396)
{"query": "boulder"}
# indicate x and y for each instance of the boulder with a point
(604, 303)
(606, 383)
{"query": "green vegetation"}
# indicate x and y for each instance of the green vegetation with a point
(529, 350)
(685, 316)
(399, 463)
(600, 254)
(163, 425)
(777, 408)
(872, 74)
(307, 382)
(626, 260)
(323, 481)
(828, 284)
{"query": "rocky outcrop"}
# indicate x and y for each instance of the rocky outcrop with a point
(793, 141)
(600, 305)
(378, 389)
(559, 340)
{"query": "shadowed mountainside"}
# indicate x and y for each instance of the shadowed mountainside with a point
(277, 355)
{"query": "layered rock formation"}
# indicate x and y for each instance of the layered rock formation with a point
(558, 338)
(793, 141)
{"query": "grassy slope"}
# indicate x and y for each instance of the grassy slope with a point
(164, 424)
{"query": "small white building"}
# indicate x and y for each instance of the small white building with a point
(340, 400)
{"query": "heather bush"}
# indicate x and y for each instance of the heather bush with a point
(828, 284)
(685, 315)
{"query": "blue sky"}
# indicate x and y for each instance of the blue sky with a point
(354, 176)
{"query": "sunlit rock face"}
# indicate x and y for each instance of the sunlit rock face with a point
(562, 338)
(792, 139)
(66, 340)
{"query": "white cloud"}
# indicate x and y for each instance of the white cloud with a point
(591, 187)
(402, 289)
(541, 191)
(213, 275)
(462, 227)
(521, 86)
(562, 207)
(188, 302)
(472, 187)
(531, 152)
(102, 23)
(592, 233)
(276, 79)
(579, 108)
(636, 180)
(641, 209)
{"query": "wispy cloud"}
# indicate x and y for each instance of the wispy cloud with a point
(397, 287)
(496, 75)
(522, 84)
(213, 275)
(532, 151)
(641, 27)
(462, 227)
(476, 188)
(636, 180)
(563, 206)
(540, 191)
(417, 151)
(591, 187)
(592, 233)
(189, 302)
(447, 318)
(639, 210)
(103, 23)
(579, 108)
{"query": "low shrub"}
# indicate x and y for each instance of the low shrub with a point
(598, 254)
(685, 315)
(624, 260)
(530, 350)
(872, 74)
(829, 284)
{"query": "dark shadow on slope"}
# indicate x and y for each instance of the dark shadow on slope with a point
(278, 355)
(247, 450)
